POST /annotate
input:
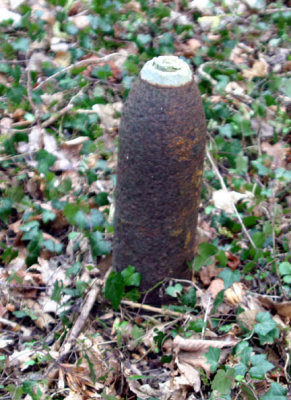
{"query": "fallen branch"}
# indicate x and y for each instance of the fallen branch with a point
(78, 64)
(202, 73)
(26, 332)
(223, 185)
(146, 307)
(77, 327)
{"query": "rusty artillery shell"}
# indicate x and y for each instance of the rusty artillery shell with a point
(161, 151)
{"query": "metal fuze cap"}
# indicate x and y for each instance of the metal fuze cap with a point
(168, 71)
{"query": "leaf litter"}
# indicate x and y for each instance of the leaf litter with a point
(58, 160)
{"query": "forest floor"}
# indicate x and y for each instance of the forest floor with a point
(73, 329)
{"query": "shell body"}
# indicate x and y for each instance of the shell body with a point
(161, 151)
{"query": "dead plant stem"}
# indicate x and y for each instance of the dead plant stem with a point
(223, 185)
(78, 64)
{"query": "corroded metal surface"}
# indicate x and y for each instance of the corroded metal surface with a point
(161, 151)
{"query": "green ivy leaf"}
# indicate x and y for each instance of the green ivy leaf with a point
(276, 392)
(96, 218)
(260, 366)
(75, 215)
(131, 278)
(74, 269)
(205, 251)
(45, 161)
(223, 381)
(5, 210)
(52, 246)
(114, 288)
(175, 290)
(33, 249)
(99, 246)
(285, 268)
(189, 298)
(229, 277)
(21, 44)
(212, 356)
(266, 328)
(48, 216)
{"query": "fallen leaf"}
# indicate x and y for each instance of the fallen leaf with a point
(190, 47)
(208, 272)
(5, 125)
(209, 23)
(37, 60)
(190, 356)
(216, 286)
(179, 18)
(258, 70)
(62, 59)
(235, 293)
(278, 151)
(232, 260)
(44, 319)
(205, 7)
(107, 114)
(264, 128)
(80, 21)
(283, 309)
(225, 200)
(6, 15)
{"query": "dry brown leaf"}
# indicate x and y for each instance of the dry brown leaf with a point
(74, 396)
(107, 114)
(208, 272)
(235, 293)
(225, 200)
(248, 319)
(62, 59)
(233, 261)
(5, 125)
(80, 21)
(43, 319)
(283, 309)
(278, 151)
(19, 358)
(190, 47)
(190, 355)
(143, 391)
(258, 70)
(216, 286)
(37, 60)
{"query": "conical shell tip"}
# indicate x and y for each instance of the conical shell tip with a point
(166, 71)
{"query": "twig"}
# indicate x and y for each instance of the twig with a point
(287, 376)
(274, 10)
(77, 327)
(63, 111)
(84, 314)
(201, 72)
(206, 316)
(18, 155)
(26, 332)
(78, 64)
(223, 185)
(163, 311)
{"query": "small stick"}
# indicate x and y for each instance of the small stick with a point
(82, 63)
(147, 307)
(63, 111)
(223, 185)
(84, 314)
(26, 332)
(206, 316)
(77, 327)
